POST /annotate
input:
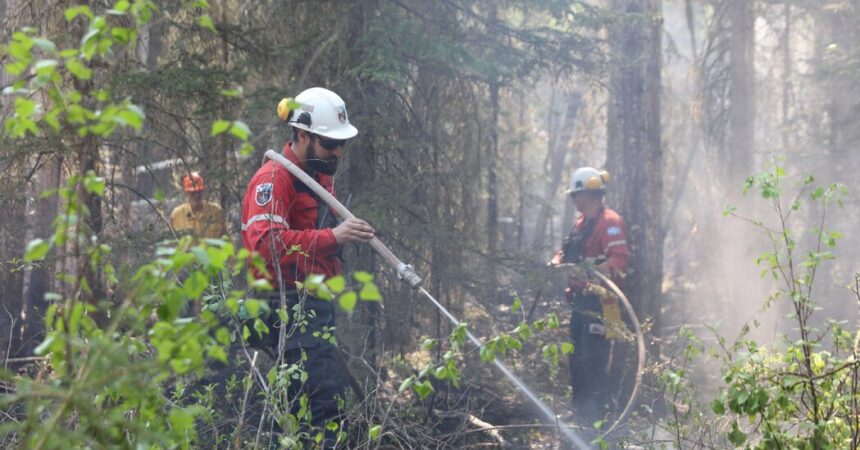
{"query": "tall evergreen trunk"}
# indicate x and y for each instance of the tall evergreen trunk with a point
(741, 143)
(561, 127)
(38, 279)
(634, 150)
(786, 78)
(361, 175)
(840, 46)
(521, 176)
(492, 175)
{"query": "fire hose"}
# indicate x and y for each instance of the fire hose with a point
(640, 346)
(407, 273)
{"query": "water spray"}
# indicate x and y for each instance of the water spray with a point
(406, 272)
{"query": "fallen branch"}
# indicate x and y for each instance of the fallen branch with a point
(488, 428)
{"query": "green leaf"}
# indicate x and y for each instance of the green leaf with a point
(406, 384)
(347, 301)
(217, 353)
(122, 6)
(195, 284)
(488, 352)
(45, 65)
(423, 389)
(233, 93)
(283, 315)
(78, 69)
(717, 407)
(219, 126)
(94, 184)
(121, 35)
(370, 293)
(206, 22)
(52, 118)
(36, 249)
(362, 277)
(181, 419)
(374, 431)
(552, 321)
(246, 149)
(240, 130)
(566, 348)
(45, 345)
(45, 45)
(736, 436)
(312, 282)
(76, 11)
(223, 336)
(133, 116)
(517, 304)
(336, 283)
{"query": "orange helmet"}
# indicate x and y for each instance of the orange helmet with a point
(193, 182)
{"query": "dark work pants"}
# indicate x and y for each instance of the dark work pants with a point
(324, 387)
(597, 367)
(326, 377)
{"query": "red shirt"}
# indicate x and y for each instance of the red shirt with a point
(279, 221)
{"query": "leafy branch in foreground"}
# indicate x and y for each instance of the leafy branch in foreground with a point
(802, 391)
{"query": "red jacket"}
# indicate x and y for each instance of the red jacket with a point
(279, 220)
(607, 241)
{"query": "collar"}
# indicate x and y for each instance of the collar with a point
(289, 153)
(597, 213)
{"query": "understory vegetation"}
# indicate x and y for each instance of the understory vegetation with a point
(471, 113)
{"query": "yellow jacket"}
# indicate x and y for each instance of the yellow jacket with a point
(209, 223)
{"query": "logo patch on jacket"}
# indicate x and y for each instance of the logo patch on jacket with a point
(264, 193)
(613, 231)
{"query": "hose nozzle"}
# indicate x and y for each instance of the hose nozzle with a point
(407, 273)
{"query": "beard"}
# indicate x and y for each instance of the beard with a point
(325, 166)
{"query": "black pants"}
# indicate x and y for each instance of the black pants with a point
(325, 380)
(597, 365)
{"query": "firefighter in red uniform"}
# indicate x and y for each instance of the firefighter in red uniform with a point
(297, 235)
(598, 363)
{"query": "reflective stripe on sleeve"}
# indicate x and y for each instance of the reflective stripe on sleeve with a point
(614, 243)
(267, 217)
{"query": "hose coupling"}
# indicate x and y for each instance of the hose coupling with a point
(407, 273)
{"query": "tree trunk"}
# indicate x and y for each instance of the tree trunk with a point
(561, 128)
(634, 151)
(741, 92)
(842, 134)
(37, 279)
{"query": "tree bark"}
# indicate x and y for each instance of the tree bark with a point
(561, 128)
(634, 150)
(742, 91)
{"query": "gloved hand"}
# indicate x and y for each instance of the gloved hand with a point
(575, 286)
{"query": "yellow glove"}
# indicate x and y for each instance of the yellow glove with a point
(611, 316)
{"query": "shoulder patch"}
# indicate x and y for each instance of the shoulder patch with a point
(613, 231)
(263, 194)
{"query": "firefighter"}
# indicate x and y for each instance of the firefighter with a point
(196, 216)
(597, 364)
(297, 236)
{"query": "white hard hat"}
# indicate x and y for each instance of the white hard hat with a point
(322, 112)
(588, 179)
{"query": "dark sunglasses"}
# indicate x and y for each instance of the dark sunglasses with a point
(331, 144)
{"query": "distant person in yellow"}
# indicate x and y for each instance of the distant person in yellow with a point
(198, 217)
